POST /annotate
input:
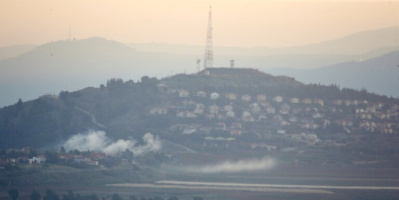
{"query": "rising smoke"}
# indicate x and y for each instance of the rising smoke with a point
(231, 167)
(98, 141)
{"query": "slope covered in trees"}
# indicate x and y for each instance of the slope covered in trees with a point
(122, 107)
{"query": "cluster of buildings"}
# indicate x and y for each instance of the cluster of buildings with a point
(20, 156)
(86, 159)
(27, 156)
(297, 118)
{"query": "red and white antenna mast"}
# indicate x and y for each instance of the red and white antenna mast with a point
(208, 58)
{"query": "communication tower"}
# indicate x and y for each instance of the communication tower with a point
(208, 58)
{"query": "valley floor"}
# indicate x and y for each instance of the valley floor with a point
(285, 181)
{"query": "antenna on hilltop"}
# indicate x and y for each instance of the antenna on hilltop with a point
(208, 58)
(198, 64)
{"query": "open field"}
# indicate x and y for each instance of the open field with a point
(220, 186)
(284, 181)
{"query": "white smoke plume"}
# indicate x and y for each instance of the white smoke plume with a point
(152, 144)
(98, 141)
(237, 166)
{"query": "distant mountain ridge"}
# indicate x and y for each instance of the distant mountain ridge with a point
(62, 65)
(358, 46)
(362, 42)
(378, 75)
(71, 65)
(354, 44)
(14, 51)
(357, 43)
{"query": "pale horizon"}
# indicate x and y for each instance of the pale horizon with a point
(187, 44)
(237, 23)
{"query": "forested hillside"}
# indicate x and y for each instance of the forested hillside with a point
(240, 104)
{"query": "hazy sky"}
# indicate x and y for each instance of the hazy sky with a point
(245, 23)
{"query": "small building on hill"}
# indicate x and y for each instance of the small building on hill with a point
(214, 96)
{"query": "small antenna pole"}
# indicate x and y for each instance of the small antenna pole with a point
(198, 64)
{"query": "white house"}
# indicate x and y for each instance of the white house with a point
(189, 131)
(246, 117)
(220, 126)
(263, 146)
(214, 96)
(337, 102)
(278, 99)
(183, 93)
(309, 126)
(261, 97)
(235, 132)
(231, 96)
(158, 111)
(270, 110)
(306, 101)
(246, 114)
(186, 114)
(281, 131)
(230, 114)
(262, 117)
(201, 94)
(319, 101)
(317, 115)
(37, 160)
(312, 137)
(294, 100)
(213, 109)
(284, 111)
(246, 98)
(296, 136)
(255, 108)
(228, 108)
(199, 108)
(210, 116)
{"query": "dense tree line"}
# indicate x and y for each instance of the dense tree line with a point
(50, 118)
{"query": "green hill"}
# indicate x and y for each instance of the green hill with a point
(240, 111)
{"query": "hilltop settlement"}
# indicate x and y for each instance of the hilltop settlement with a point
(222, 111)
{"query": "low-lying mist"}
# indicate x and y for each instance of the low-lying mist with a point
(232, 166)
(98, 141)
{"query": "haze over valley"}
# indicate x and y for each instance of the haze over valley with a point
(202, 100)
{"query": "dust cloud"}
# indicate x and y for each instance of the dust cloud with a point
(233, 166)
